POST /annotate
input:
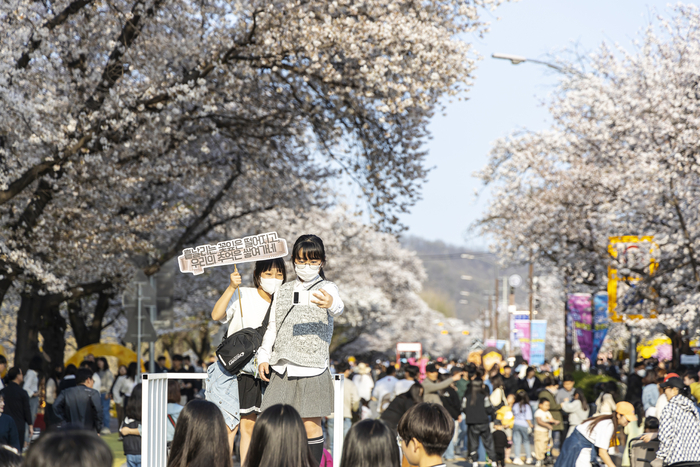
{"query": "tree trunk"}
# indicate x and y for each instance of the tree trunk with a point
(39, 315)
(52, 327)
(27, 344)
(87, 328)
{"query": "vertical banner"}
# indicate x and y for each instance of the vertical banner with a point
(539, 339)
(522, 328)
(600, 322)
(581, 312)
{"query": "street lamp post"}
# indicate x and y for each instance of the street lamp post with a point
(518, 59)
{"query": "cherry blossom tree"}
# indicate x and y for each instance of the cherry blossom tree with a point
(130, 128)
(620, 158)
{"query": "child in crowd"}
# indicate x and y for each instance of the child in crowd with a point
(425, 431)
(131, 428)
(544, 422)
(500, 443)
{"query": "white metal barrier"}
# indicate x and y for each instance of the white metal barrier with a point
(154, 416)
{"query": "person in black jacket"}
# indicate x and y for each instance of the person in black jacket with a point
(450, 400)
(477, 409)
(81, 406)
(510, 380)
(130, 428)
(17, 403)
(401, 404)
(531, 384)
(8, 428)
(68, 380)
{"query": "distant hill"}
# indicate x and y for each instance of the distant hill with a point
(445, 267)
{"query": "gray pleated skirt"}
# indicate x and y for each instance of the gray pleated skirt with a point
(311, 396)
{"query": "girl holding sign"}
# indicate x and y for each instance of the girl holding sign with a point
(239, 397)
(294, 352)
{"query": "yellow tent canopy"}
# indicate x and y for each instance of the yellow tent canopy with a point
(123, 355)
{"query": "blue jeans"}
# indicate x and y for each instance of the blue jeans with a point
(133, 460)
(521, 437)
(105, 410)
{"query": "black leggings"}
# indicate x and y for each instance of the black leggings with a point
(474, 432)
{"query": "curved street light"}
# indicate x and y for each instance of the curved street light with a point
(518, 59)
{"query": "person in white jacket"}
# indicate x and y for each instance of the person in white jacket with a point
(577, 408)
(364, 382)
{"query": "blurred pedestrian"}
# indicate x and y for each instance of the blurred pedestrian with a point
(173, 409)
(478, 408)
(551, 388)
(52, 382)
(17, 404)
(8, 428)
(68, 380)
(363, 380)
(383, 391)
(401, 404)
(593, 438)
(117, 395)
(32, 381)
(106, 382)
(544, 424)
(522, 427)
(679, 426)
(532, 385)
(606, 402)
(577, 408)
(80, 407)
(131, 428)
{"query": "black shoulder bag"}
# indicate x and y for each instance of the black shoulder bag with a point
(236, 350)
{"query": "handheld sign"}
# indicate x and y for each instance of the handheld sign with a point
(241, 250)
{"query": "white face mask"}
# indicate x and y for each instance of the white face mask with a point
(269, 285)
(642, 373)
(306, 272)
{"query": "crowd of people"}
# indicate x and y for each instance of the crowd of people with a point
(278, 402)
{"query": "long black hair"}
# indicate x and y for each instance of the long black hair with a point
(581, 397)
(370, 443)
(279, 440)
(76, 448)
(415, 393)
(133, 405)
(201, 437)
(521, 400)
(266, 265)
(309, 247)
(131, 371)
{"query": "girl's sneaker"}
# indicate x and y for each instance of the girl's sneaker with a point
(529, 461)
(518, 461)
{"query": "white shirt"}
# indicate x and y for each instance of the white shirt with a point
(383, 387)
(254, 310)
(661, 402)
(601, 434)
(545, 417)
(268, 342)
(31, 383)
(98, 381)
(364, 384)
(402, 386)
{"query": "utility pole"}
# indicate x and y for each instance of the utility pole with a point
(494, 325)
(531, 302)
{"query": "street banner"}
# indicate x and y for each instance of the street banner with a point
(240, 250)
(580, 310)
(539, 339)
(522, 330)
(514, 332)
(600, 322)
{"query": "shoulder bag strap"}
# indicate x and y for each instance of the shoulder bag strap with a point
(170, 417)
(292, 307)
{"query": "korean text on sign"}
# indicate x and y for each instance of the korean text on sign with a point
(241, 250)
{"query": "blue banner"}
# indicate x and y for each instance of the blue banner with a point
(600, 322)
(539, 336)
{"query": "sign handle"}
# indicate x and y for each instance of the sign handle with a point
(240, 303)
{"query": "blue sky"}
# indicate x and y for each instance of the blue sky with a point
(506, 97)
